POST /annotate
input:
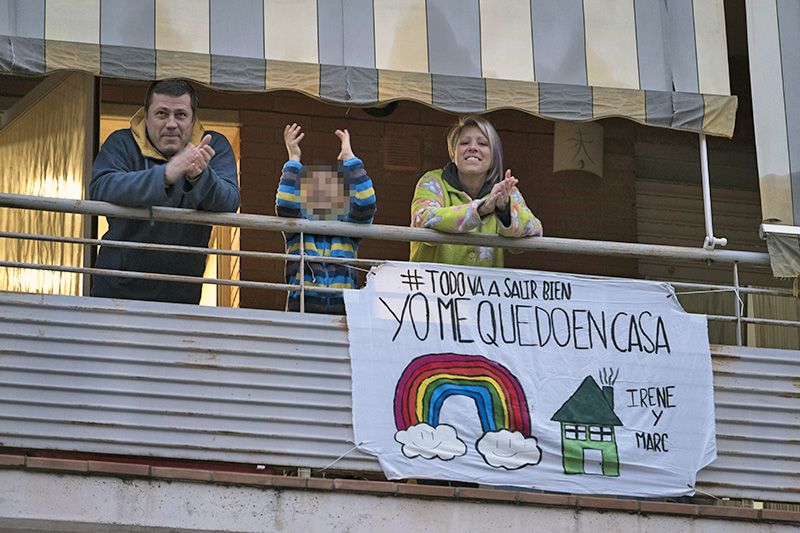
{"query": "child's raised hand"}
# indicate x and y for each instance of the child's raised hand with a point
(292, 136)
(346, 151)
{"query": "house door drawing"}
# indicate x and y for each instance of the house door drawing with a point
(592, 461)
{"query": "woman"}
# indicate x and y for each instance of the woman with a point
(470, 194)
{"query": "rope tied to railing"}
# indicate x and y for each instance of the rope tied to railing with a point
(345, 454)
(731, 289)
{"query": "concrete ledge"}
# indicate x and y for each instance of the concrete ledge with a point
(123, 469)
(91, 468)
(12, 460)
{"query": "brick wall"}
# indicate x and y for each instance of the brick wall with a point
(397, 149)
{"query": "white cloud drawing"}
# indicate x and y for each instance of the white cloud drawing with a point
(422, 439)
(509, 449)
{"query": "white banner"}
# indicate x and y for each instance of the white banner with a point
(533, 379)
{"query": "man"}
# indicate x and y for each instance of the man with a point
(166, 159)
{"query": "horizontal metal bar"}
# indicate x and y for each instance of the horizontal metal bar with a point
(260, 222)
(164, 277)
(185, 249)
(319, 259)
(338, 260)
(761, 321)
(383, 232)
(721, 318)
(771, 322)
(746, 290)
(287, 287)
(148, 275)
(134, 245)
(778, 229)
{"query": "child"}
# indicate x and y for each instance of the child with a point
(323, 194)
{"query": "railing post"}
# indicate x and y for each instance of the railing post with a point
(737, 303)
(302, 273)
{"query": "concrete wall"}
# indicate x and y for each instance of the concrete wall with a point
(57, 502)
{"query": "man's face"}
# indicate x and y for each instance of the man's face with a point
(169, 122)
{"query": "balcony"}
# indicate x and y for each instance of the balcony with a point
(255, 404)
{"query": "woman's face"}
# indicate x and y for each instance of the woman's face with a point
(473, 153)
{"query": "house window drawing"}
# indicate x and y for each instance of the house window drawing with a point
(601, 433)
(571, 431)
(587, 423)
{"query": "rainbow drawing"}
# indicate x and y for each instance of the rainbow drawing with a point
(430, 379)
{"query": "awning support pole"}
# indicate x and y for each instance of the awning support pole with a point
(710, 241)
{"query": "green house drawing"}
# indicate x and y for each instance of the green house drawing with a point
(587, 423)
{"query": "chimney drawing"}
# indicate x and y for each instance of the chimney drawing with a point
(608, 376)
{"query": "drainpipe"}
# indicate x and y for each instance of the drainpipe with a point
(710, 241)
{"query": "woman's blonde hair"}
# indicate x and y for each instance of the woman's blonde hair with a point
(495, 171)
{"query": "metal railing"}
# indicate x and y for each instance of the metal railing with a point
(374, 231)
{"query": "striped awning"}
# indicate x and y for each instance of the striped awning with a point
(657, 62)
(773, 38)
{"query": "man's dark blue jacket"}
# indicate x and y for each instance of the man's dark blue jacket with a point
(129, 171)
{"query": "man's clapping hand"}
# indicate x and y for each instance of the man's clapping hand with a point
(190, 162)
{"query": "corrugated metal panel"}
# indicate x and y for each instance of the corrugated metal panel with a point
(243, 385)
(169, 380)
(757, 402)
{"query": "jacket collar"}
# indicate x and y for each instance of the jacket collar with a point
(450, 176)
(139, 131)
